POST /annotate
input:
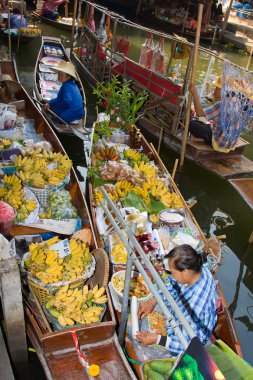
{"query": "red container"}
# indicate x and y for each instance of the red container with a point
(6, 226)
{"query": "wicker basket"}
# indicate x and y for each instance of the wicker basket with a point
(42, 194)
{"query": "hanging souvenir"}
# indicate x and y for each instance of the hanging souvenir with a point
(123, 46)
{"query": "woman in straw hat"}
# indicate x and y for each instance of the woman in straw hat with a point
(68, 104)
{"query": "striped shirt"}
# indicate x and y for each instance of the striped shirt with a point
(197, 303)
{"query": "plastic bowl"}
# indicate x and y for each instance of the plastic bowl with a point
(168, 217)
(121, 274)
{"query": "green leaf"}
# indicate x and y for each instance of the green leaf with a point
(133, 200)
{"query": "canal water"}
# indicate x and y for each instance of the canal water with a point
(219, 209)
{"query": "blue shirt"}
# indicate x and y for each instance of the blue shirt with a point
(198, 304)
(68, 104)
(15, 22)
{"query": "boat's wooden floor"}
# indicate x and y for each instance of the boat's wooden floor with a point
(244, 187)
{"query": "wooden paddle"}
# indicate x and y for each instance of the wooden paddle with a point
(72, 129)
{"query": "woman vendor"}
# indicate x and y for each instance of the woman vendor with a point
(193, 289)
(68, 104)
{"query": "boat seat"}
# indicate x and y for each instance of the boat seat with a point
(202, 145)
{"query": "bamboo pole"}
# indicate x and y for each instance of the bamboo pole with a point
(9, 29)
(20, 23)
(174, 168)
(66, 9)
(188, 109)
(160, 139)
(250, 55)
(73, 28)
(225, 21)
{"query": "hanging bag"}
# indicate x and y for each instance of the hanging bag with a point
(147, 52)
(158, 58)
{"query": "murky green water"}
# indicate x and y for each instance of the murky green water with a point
(219, 210)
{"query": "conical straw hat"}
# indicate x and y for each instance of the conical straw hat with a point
(66, 67)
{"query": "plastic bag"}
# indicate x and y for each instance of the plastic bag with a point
(147, 52)
(60, 206)
(158, 58)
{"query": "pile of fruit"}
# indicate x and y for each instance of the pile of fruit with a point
(158, 369)
(45, 264)
(13, 193)
(59, 206)
(30, 31)
(104, 153)
(79, 305)
(40, 168)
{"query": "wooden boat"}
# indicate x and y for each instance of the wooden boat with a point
(38, 92)
(56, 350)
(224, 329)
(244, 186)
(59, 23)
(164, 112)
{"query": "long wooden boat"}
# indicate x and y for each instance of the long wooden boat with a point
(57, 350)
(164, 112)
(244, 186)
(59, 23)
(24, 38)
(56, 44)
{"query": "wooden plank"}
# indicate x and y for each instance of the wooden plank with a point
(6, 372)
(244, 187)
(228, 167)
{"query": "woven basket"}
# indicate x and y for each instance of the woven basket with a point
(42, 194)
(44, 293)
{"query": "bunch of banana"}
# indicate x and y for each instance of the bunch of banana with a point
(34, 179)
(112, 192)
(5, 143)
(145, 170)
(132, 154)
(39, 168)
(76, 263)
(45, 263)
(107, 154)
(79, 305)
(123, 188)
(13, 193)
(176, 201)
(143, 193)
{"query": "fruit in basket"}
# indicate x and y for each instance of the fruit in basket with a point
(59, 206)
(161, 366)
(77, 305)
(153, 375)
(13, 193)
(39, 167)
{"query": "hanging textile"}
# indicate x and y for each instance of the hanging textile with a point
(108, 31)
(147, 52)
(91, 22)
(101, 32)
(123, 46)
(158, 58)
(236, 110)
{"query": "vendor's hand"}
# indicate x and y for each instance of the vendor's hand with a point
(193, 89)
(145, 308)
(46, 106)
(147, 338)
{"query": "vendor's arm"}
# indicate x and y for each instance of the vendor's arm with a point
(197, 105)
(146, 307)
(147, 338)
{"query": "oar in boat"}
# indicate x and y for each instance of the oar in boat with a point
(72, 129)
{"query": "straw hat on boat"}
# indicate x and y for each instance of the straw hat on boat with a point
(181, 50)
(66, 67)
(218, 82)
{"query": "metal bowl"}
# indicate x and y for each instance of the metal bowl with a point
(164, 217)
